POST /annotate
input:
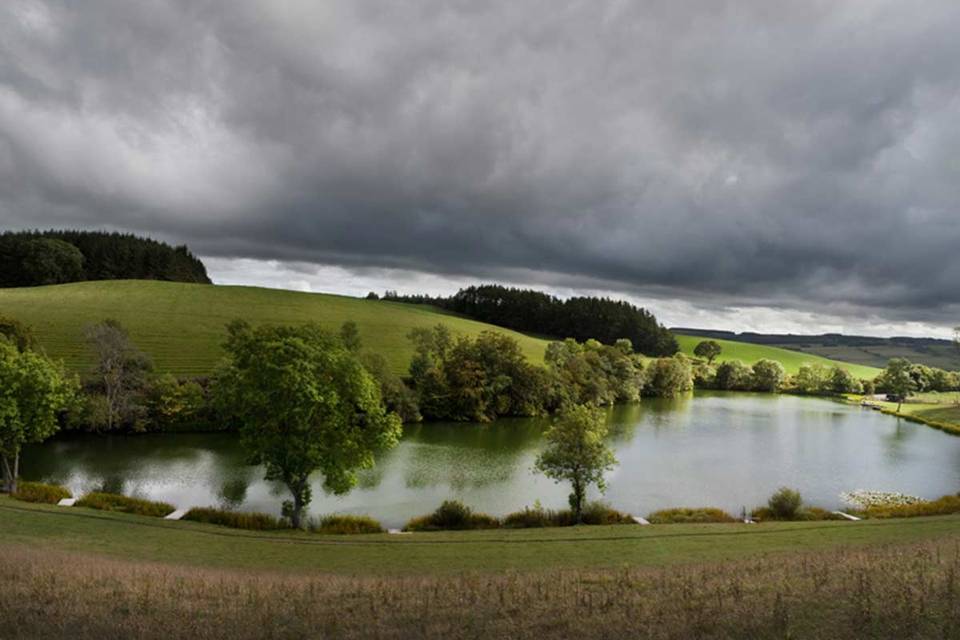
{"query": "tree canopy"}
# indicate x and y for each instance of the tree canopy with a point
(577, 453)
(580, 318)
(35, 258)
(305, 403)
(33, 390)
(708, 349)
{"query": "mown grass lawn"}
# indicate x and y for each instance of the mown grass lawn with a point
(139, 538)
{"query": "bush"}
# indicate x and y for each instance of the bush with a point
(450, 516)
(39, 492)
(939, 507)
(344, 525)
(536, 516)
(234, 519)
(125, 504)
(785, 503)
(806, 513)
(697, 515)
(602, 513)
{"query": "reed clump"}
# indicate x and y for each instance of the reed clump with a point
(40, 492)
(125, 504)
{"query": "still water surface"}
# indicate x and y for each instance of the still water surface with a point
(724, 450)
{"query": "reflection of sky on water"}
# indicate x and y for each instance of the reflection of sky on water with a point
(723, 450)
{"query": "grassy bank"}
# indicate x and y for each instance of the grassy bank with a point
(936, 410)
(791, 581)
(182, 325)
(139, 538)
(791, 360)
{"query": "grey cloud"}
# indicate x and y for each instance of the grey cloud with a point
(793, 155)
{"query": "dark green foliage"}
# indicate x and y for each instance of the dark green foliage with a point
(304, 404)
(234, 519)
(18, 334)
(899, 379)
(842, 381)
(33, 258)
(125, 504)
(785, 504)
(733, 375)
(452, 515)
(397, 396)
(669, 377)
(592, 373)
(582, 319)
(344, 525)
(766, 514)
(538, 517)
(708, 349)
(117, 385)
(475, 379)
(177, 405)
(40, 492)
(767, 375)
(690, 516)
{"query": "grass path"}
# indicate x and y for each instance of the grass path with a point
(148, 539)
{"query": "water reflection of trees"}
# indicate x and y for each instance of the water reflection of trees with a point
(467, 455)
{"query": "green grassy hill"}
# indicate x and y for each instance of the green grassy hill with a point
(791, 360)
(182, 325)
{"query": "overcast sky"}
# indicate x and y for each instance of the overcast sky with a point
(751, 165)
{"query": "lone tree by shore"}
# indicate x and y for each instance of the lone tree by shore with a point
(305, 404)
(576, 453)
(33, 390)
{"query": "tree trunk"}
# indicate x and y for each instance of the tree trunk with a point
(577, 500)
(10, 473)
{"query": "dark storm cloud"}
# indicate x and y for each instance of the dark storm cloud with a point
(802, 155)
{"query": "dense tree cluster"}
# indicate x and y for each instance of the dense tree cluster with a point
(581, 318)
(34, 258)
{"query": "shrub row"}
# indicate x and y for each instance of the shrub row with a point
(690, 516)
(454, 516)
(235, 519)
(344, 525)
(40, 492)
(939, 507)
(125, 504)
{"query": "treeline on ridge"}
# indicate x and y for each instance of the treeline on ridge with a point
(580, 318)
(36, 258)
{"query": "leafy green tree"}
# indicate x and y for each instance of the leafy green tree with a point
(768, 375)
(33, 390)
(576, 453)
(708, 349)
(842, 381)
(668, 377)
(898, 381)
(51, 261)
(350, 336)
(397, 396)
(18, 334)
(733, 374)
(120, 374)
(305, 403)
(812, 379)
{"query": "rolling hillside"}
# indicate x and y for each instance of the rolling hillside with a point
(791, 360)
(182, 325)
